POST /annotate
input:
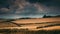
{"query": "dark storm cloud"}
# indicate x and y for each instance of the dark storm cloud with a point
(7, 6)
(3, 3)
(53, 5)
(29, 10)
(29, 7)
(6, 3)
(46, 2)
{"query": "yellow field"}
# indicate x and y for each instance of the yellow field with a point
(37, 20)
(32, 24)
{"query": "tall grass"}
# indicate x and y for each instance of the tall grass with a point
(23, 31)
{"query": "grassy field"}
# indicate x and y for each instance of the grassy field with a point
(22, 31)
(31, 26)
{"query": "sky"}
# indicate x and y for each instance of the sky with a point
(28, 8)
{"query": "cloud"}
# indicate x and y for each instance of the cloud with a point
(46, 2)
(29, 7)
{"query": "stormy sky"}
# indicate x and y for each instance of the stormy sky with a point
(28, 8)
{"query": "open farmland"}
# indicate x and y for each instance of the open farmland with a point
(37, 25)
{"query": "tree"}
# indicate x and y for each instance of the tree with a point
(44, 16)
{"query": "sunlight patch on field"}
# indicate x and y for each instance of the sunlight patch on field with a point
(38, 20)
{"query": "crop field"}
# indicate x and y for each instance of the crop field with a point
(31, 26)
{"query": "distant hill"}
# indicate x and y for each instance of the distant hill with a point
(25, 18)
(50, 16)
